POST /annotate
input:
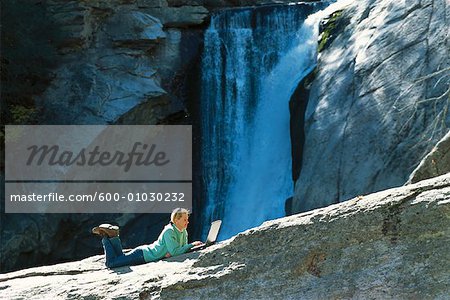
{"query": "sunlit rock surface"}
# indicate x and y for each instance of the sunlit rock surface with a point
(379, 100)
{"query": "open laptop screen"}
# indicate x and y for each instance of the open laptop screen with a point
(213, 232)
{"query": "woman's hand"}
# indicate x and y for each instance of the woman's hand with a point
(197, 243)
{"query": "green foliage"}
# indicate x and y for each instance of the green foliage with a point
(330, 28)
(23, 115)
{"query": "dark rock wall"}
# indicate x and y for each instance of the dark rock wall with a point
(297, 108)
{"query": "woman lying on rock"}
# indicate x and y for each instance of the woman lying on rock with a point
(171, 242)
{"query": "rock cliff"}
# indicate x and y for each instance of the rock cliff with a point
(388, 245)
(378, 102)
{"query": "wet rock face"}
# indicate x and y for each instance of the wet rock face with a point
(379, 101)
(388, 245)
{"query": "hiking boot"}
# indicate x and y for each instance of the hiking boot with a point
(106, 230)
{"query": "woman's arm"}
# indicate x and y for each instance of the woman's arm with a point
(173, 246)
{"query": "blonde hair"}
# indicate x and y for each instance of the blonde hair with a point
(177, 213)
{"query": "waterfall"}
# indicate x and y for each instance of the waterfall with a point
(253, 60)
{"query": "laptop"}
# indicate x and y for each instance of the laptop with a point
(212, 236)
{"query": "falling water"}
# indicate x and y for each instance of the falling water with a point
(252, 62)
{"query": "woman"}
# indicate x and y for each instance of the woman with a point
(171, 242)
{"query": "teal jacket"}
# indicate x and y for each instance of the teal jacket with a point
(171, 240)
